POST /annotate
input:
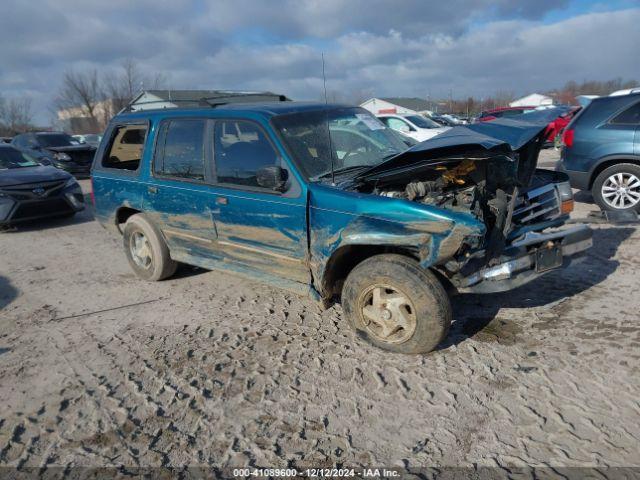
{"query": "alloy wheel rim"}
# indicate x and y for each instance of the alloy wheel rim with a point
(141, 250)
(387, 314)
(621, 190)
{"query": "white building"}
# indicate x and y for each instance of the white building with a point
(396, 105)
(533, 100)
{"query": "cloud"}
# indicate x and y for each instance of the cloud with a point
(473, 47)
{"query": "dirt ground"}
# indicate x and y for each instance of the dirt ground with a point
(100, 368)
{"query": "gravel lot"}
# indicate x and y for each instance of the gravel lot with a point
(99, 368)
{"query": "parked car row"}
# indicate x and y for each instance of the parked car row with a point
(415, 126)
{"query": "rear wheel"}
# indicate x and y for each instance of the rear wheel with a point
(618, 187)
(146, 250)
(396, 305)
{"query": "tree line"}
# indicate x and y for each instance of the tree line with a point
(566, 95)
(87, 100)
(16, 115)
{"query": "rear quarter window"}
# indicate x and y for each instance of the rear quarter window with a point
(125, 148)
(630, 116)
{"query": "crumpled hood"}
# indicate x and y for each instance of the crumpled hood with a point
(501, 136)
(19, 176)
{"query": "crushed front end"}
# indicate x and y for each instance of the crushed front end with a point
(489, 171)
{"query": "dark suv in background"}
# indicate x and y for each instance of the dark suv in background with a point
(58, 149)
(601, 151)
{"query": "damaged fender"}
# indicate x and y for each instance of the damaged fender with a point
(430, 234)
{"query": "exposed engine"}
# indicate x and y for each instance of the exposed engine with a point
(485, 186)
(480, 185)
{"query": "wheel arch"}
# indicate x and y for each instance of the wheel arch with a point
(610, 161)
(345, 258)
(122, 215)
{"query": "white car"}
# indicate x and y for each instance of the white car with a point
(415, 126)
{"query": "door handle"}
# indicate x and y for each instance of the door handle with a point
(152, 190)
(222, 200)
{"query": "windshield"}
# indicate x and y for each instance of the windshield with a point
(12, 158)
(358, 139)
(422, 122)
(57, 140)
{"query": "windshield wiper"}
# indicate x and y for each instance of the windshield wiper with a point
(338, 171)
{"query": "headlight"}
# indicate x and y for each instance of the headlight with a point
(64, 157)
(566, 197)
(564, 189)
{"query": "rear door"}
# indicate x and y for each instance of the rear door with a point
(178, 196)
(261, 229)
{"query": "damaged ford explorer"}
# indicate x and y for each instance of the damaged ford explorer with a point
(324, 200)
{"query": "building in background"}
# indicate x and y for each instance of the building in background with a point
(397, 105)
(532, 100)
(78, 119)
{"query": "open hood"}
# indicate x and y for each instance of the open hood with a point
(84, 147)
(498, 137)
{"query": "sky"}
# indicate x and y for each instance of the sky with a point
(371, 47)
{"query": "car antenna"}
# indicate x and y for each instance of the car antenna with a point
(326, 103)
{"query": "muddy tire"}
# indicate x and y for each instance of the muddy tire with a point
(618, 188)
(396, 305)
(146, 250)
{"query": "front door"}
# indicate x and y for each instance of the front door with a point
(261, 229)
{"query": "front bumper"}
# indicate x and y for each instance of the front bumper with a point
(14, 210)
(528, 258)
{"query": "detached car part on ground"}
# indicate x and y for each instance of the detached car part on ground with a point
(384, 231)
(30, 191)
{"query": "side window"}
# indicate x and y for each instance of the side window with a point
(181, 149)
(240, 150)
(631, 116)
(125, 150)
(398, 124)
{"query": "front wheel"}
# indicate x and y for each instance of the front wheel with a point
(618, 187)
(396, 305)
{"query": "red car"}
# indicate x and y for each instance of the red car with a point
(555, 126)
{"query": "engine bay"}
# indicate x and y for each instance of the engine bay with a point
(483, 185)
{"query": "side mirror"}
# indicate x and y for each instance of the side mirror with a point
(405, 128)
(272, 177)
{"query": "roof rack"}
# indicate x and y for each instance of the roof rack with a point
(241, 97)
(213, 101)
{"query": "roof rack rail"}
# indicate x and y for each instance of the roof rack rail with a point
(241, 97)
(213, 101)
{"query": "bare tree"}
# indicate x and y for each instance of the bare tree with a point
(121, 87)
(16, 115)
(82, 91)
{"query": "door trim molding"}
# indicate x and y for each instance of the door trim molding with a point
(259, 250)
